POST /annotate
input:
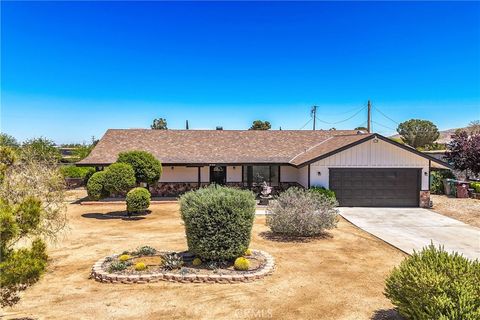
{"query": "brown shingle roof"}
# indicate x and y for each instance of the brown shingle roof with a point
(221, 146)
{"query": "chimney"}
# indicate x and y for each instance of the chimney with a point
(219, 128)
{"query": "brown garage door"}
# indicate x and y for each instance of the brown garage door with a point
(387, 187)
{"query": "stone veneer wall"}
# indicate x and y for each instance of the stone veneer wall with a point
(175, 189)
(424, 199)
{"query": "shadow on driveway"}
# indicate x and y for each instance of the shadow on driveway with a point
(386, 314)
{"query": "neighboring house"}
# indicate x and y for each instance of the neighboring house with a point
(363, 169)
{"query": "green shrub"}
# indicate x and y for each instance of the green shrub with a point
(218, 221)
(436, 180)
(147, 168)
(145, 251)
(476, 186)
(241, 264)
(119, 178)
(434, 284)
(326, 192)
(77, 172)
(138, 200)
(301, 213)
(95, 186)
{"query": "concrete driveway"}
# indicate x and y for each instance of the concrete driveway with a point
(414, 228)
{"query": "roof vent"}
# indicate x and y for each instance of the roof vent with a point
(361, 132)
(219, 128)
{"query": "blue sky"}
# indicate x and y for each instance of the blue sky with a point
(70, 70)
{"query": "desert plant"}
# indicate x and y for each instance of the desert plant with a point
(117, 266)
(41, 150)
(140, 266)
(119, 178)
(326, 192)
(248, 252)
(436, 181)
(299, 212)
(435, 284)
(196, 262)
(242, 264)
(172, 261)
(218, 221)
(138, 200)
(95, 186)
(147, 168)
(124, 257)
(145, 251)
(475, 186)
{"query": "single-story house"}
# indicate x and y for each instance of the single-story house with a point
(364, 169)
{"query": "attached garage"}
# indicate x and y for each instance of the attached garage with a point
(376, 187)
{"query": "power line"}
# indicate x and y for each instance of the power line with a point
(340, 113)
(381, 125)
(306, 124)
(351, 117)
(383, 114)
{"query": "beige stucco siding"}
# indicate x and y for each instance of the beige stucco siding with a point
(369, 154)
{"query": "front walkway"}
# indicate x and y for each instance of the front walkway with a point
(413, 228)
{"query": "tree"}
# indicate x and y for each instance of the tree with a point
(159, 124)
(418, 133)
(8, 141)
(31, 208)
(260, 125)
(147, 168)
(474, 127)
(464, 152)
(361, 128)
(41, 149)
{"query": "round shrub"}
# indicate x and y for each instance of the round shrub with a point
(301, 213)
(95, 186)
(326, 192)
(119, 178)
(218, 221)
(435, 284)
(241, 264)
(140, 266)
(147, 168)
(138, 200)
(196, 262)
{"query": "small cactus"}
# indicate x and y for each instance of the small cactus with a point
(248, 252)
(124, 257)
(241, 264)
(140, 266)
(196, 262)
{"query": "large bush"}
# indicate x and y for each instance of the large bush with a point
(119, 178)
(218, 221)
(95, 186)
(436, 182)
(434, 284)
(138, 200)
(147, 168)
(299, 212)
(77, 172)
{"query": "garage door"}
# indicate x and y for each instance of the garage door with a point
(376, 187)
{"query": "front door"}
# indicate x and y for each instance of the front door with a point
(218, 174)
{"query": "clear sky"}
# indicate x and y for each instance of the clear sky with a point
(70, 70)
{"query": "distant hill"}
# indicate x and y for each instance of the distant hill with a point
(445, 135)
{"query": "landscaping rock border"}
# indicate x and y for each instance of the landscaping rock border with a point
(101, 275)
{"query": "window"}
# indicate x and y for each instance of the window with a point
(256, 175)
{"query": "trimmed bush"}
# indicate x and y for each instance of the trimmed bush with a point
(95, 186)
(218, 221)
(119, 178)
(138, 200)
(436, 181)
(435, 284)
(147, 168)
(77, 172)
(326, 192)
(241, 264)
(301, 213)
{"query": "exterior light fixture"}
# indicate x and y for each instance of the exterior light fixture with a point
(375, 140)
(319, 173)
(234, 167)
(172, 167)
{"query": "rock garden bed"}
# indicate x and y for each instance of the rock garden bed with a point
(146, 265)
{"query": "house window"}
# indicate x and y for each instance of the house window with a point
(257, 175)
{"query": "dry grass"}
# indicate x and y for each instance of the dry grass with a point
(336, 277)
(466, 210)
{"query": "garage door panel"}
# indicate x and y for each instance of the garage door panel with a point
(386, 187)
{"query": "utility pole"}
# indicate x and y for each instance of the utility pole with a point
(369, 120)
(314, 115)
(186, 124)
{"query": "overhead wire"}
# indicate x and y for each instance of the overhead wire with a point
(383, 114)
(337, 122)
(306, 124)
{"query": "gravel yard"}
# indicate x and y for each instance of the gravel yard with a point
(466, 210)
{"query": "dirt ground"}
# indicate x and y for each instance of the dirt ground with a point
(337, 277)
(466, 210)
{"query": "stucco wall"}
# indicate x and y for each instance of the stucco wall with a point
(288, 174)
(369, 155)
(234, 174)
